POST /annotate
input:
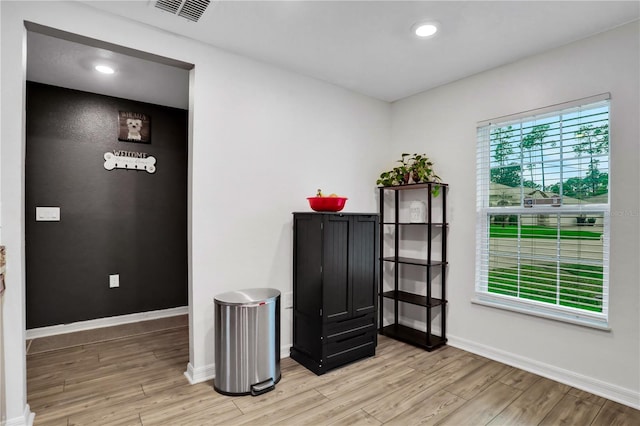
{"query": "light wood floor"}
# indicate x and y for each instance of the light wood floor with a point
(139, 380)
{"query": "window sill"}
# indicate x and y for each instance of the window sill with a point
(599, 324)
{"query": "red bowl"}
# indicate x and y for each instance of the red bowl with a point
(327, 204)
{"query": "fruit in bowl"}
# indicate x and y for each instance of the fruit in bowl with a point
(332, 203)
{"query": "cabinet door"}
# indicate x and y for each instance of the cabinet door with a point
(307, 263)
(363, 264)
(335, 268)
(307, 284)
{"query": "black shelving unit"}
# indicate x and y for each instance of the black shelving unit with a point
(421, 338)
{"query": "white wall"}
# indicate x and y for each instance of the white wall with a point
(262, 140)
(442, 123)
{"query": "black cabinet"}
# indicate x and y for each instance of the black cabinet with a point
(335, 280)
(415, 283)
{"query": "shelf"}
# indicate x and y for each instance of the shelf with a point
(438, 225)
(414, 186)
(414, 337)
(433, 231)
(414, 299)
(412, 261)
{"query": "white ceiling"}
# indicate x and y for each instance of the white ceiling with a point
(364, 46)
(60, 62)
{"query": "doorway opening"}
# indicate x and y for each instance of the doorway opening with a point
(106, 248)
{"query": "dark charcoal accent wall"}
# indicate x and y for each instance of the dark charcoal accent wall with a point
(125, 222)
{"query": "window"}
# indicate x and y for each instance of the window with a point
(543, 212)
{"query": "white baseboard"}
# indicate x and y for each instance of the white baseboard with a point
(208, 372)
(25, 420)
(579, 381)
(200, 374)
(53, 330)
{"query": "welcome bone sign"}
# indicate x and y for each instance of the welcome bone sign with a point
(118, 159)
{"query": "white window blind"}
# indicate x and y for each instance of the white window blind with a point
(542, 243)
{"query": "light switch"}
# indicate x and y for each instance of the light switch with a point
(48, 214)
(114, 280)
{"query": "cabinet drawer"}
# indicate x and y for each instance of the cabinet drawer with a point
(340, 348)
(341, 330)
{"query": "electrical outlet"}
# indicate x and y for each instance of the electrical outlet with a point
(114, 281)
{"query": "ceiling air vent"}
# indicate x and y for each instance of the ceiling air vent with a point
(189, 9)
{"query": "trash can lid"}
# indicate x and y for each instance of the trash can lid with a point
(250, 295)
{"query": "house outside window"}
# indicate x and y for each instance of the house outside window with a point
(542, 243)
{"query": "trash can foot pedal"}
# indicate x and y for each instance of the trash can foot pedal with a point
(262, 387)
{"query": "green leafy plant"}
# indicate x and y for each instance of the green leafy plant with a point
(399, 175)
(421, 169)
(416, 168)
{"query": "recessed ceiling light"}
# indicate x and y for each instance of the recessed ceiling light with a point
(425, 29)
(104, 69)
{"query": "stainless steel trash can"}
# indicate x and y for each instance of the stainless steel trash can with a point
(247, 341)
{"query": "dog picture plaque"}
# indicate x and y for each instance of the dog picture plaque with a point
(134, 127)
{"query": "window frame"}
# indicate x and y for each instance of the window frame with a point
(484, 211)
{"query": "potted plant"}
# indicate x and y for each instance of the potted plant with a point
(421, 169)
(414, 168)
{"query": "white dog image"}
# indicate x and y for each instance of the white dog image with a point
(134, 125)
